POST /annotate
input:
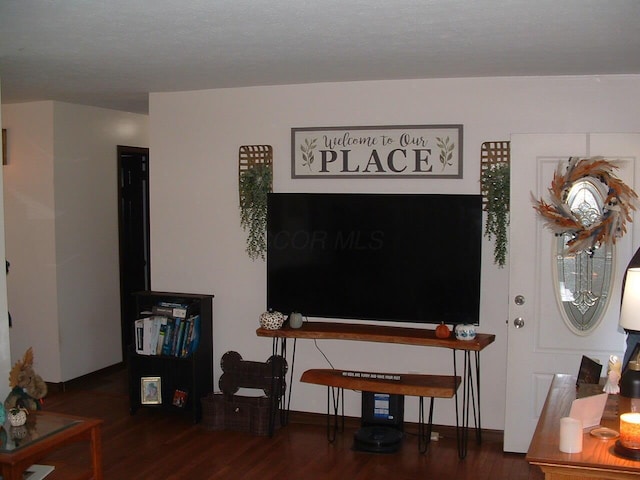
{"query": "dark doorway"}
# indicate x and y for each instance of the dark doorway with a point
(135, 265)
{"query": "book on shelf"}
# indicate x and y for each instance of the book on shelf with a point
(162, 331)
(169, 336)
(176, 335)
(194, 340)
(181, 335)
(171, 309)
(188, 333)
(147, 333)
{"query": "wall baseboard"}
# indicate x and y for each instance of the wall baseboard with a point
(411, 428)
(78, 381)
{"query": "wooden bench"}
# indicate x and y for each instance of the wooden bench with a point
(417, 385)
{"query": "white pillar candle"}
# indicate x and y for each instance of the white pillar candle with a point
(570, 435)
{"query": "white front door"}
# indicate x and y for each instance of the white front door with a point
(543, 345)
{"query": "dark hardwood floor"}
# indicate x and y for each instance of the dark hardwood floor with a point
(156, 445)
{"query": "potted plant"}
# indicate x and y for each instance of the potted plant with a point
(495, 181)
(255, 184)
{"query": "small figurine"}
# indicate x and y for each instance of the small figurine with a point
(28, 388)
(614, 372)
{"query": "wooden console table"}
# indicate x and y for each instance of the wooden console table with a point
(596, 460)
(405, 336)
(45, 433)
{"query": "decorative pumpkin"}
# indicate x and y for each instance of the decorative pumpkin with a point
(442, 331)
(17, 416)
(271, 320)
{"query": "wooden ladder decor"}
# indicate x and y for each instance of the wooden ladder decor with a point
(492, 153)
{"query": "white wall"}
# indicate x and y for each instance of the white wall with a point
(62, 233)
(30, 234)
(197, 243)
(5, 346)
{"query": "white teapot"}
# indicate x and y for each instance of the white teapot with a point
(465, 331)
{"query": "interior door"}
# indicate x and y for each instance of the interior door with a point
(133, 197)
(539, 343)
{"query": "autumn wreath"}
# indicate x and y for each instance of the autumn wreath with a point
(619, 202)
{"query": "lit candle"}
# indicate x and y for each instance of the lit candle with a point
(570, 435)
(630, 430)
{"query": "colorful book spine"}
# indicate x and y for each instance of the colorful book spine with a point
(180, 323)
(166, 347)
(195, 339)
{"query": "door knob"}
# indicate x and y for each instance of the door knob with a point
(518, 322)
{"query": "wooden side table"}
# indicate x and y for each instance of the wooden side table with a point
(596, 460)
(44, 433)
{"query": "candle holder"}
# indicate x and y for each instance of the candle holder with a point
(628, 445)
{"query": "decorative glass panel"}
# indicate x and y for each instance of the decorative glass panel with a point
(583, 279)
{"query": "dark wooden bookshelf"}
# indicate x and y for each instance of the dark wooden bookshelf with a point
(192, 374)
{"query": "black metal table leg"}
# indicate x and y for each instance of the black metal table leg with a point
(424, 439)
(479, 423)
(470, 401)
(280, 398)
(335, 398)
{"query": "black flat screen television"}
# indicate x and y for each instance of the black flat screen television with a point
(391, 257)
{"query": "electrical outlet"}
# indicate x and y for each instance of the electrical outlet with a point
(435, 436)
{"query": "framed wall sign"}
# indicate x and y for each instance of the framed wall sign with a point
(433, 151)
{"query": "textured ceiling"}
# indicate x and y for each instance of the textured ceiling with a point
(113, 53)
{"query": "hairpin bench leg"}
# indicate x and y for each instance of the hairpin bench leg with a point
(424, 439)
(335, 399)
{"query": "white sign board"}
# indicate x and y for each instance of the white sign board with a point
(433, 151)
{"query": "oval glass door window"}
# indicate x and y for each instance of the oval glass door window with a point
(583, 279)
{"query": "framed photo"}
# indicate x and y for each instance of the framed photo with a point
(589, 372)
(179, 398)
(150, 390)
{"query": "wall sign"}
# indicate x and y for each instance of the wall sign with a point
(433, 151)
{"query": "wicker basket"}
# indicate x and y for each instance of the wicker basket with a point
(236, 412)
(212, 412)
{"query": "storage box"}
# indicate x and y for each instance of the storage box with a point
(237, 412)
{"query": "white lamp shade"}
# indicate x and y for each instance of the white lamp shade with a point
(630, 312)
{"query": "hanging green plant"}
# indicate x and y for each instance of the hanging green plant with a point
(495, 182)
(255, 184)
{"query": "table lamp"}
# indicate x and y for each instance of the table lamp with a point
(628, 445)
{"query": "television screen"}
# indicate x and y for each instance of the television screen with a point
(394, 257)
